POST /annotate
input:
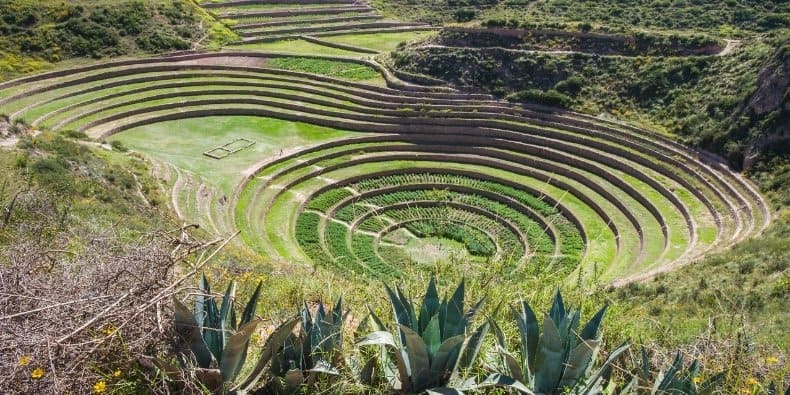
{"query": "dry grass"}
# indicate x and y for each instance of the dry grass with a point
(72, 316)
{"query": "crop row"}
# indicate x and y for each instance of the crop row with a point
(572, 243)
(476, 242)
(539, 241)
(510, 244)
(364, 248)
(328, 199)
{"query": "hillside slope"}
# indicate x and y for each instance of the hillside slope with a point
(36, 34)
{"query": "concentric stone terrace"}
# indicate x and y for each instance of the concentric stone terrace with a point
(506, 184)
(258, 22)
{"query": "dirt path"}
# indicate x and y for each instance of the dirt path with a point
(731, 45)
(517, 51)
(9, 142)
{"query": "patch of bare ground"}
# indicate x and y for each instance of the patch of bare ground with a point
(242, 61)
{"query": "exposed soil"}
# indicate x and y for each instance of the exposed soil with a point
(242, 61)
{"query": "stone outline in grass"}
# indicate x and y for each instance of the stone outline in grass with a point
(223, 151)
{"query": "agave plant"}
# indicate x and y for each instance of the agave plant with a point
(560, 359)
(219, 341)
(315, 350)
(675, 380)
(434, 348)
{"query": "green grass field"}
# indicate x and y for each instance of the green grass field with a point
(296, 47)
(382, 42)
(182, 143)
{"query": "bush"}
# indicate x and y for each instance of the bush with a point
(465, 15)
(118, 146)
(549, 98)
(571, 86)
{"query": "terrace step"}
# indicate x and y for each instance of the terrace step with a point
(435, 129)
(363, 17)
(297, 33)
(237, 3)
(327, 28)
(297, 11)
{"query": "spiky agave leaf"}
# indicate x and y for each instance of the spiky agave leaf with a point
(557, 311)
(337, 312)
(389, 369)
(247, 316)
(188, 328)
(453, 322)
(444, 361)
(385, 339)
(226, 316)
(529, 335)
(494, 380)
(401, 307)
(200, 299)
(212, 327)
(273, 345)
(472, 346)
(432, 336)
(252, 305)
(595, 379)
(419, 360)
(430, 305)
(577, 362)
(235, 351)
(591, 329)
(550, 359)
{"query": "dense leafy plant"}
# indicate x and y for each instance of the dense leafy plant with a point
(559, 357)
(434, 348)
(219, 341)
(316, 350)
(674, 380)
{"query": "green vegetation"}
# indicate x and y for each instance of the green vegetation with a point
(219, 342)
(295, 46)
(34, 33)
(435, 347)
(314, 357)
(557, 358)
(182, 142)
(720, 16)
(664, 92)
(358, 177)
(382, 42)
(349, 71)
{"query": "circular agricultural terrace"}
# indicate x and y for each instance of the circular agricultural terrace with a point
(500, 182)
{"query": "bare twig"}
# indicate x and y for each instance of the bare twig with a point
(96, 317)
(6, 317)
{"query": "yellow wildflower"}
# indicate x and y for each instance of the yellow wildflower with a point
(37, 373)
(109, 329)
(24, 360)
(100, 387)
(116, 374)
(751, 381)
(697, 379)
(771, 360)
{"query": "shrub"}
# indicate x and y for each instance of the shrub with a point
(465, 15)
(550, 97)
(117, 145)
